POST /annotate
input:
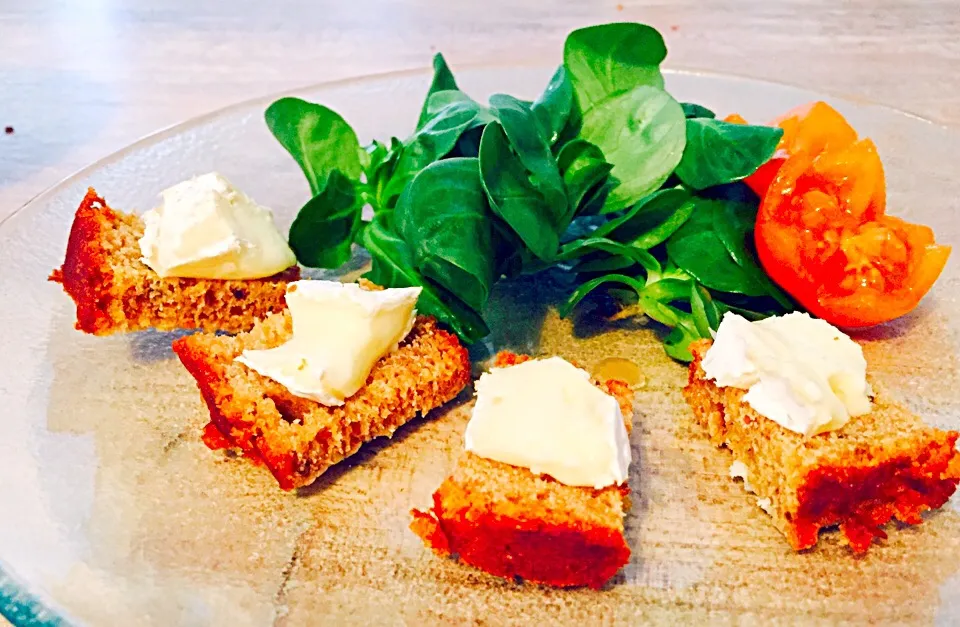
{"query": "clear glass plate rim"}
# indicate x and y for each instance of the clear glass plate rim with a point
(24, 607)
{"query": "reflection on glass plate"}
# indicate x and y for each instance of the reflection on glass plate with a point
(114, 512)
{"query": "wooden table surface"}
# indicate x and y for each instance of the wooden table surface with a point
(80, 79)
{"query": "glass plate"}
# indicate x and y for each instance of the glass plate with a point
(112, 512)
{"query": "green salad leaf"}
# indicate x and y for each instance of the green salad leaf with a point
(330, 156)
(393, 266)
(706, 314)
(533, 149)
(439, 100)
(697, 248)
(720, 152)
(604, 177)
(554, 106)
(443, 80)
(317, 138)
(693, 110)
(677, 343)
(593, 264)
(435, 140)
(642, 133)
(322, 233)
(634, 254)
(583, 169)
(380, 168)
(733, 222)
(705, 268)
(590, 286)
(513, 197)
(610, 59)
(652, 220)
(658, 298)
(444, 217)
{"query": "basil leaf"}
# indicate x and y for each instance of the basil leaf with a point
(393, 267)
(583, 168)
(323, 231)
(552, 109)
(442, 81)
(692, 110)
(317, 138)
(652, 220)
(642, 133)
(513, 196)
(609, 59)
(698, 250)
(443, 216)
(720, 152)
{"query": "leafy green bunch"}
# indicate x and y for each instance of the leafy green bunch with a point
(604, 175)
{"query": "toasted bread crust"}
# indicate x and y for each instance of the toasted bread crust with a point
(115, 292)
(511, 523)
(299, 439)
(886, 464)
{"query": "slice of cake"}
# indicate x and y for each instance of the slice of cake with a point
(857, 471)
(514, 523)
(116, 292)
(296, 437)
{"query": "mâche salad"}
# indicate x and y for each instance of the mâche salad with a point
(658, 205)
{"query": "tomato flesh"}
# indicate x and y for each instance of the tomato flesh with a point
(823, 236)
(812, 128)
(760, 180)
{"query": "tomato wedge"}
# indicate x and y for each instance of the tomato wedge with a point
(822, 233)
(811, 127)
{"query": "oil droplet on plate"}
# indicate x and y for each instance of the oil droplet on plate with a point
(619, 368)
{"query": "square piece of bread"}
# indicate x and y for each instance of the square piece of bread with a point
(509, 522)
(297, 438)
(115, 292)
(882, 465)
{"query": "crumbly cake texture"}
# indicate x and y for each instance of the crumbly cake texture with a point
(883, 465)
(299, 439)
(512, 523)
(115, 292)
